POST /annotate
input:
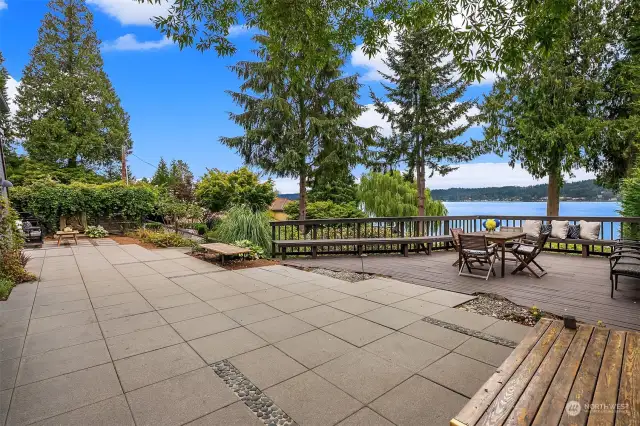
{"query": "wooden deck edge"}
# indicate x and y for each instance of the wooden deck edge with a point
(455, 422)
(476, 407)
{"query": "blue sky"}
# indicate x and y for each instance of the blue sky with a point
(177, 101)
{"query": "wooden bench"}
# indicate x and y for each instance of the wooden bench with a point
(225, 250)
(404, 243)
(584, 243)
(558, 375)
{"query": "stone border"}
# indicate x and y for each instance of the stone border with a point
(259, 403)
(472, 333)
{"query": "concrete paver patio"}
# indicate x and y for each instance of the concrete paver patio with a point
(121, 335)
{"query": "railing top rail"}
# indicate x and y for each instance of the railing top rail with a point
(467, 217)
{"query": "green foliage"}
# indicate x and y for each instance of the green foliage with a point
(218, 190)
(68, 110)
(23, 171)
(154, 226)
(5, 287)
(172, 209)
(548, 116)
(423, 106)
(299, 110)
(201, 228)
(334, 184)
(95, 232)
(536, 313)
(241, 223)
(5, 117)
(10, 236)
(325, 210)
(48, 200)
(256, 252)
(586, 190)
(162, 238)
(161, 176)
(630, 203)
(181, 181)
(389, 195)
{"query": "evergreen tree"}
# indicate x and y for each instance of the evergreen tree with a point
(5, 117)
(161, 176)
(424, 108)
(548, 114)
(181, 181)
(297, 107)
(68, 110)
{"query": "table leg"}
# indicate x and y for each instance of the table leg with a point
(503, 253)
(59, 237)
(75, 238)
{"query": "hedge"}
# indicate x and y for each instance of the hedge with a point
(48, 201)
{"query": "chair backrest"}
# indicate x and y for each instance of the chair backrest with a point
(455, 235)
(473, 242)
(510, 229)
(542, 240)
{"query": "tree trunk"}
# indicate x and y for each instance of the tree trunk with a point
(302, 203)
(553, 194)
(421, 186)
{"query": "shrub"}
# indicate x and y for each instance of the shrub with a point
(201, 228)
(95, 232)
(162, 238)
(324, 210)
(256, 252)
(12, 267)
(153, 226)
(241, 223)
(48, 200)
(630, 203)
(5, 288)
(218, 190)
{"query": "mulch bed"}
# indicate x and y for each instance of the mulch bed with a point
(130, 240)
(499, 307)
(235, 264)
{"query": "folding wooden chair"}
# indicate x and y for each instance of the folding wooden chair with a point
(527, 253)
(475, 249)
(510, 244)
(455, 238)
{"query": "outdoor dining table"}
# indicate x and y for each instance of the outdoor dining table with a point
(500, 238)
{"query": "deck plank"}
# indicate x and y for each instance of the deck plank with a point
(552, 407)
(629, 397)
(503, 403)
(606, 392)
(476, 407)
(585, 383)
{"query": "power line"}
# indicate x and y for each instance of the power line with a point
(144, 161)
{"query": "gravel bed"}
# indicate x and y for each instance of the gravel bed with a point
(259, 403)
(472, 333)
(498, 307)
(343, 275)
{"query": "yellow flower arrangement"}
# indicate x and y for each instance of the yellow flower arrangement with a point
(491, 225)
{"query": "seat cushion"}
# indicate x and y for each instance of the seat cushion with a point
(524, 250)
(589, 230)
(559, 229)
(632, 269)
(478, 252)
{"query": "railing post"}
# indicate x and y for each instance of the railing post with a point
(446, 227)
(273, 238)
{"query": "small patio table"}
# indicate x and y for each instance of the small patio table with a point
(501, 238)
(67, 234)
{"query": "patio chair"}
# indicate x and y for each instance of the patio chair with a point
(509, 244)
(455, 239)
(527, 253)
(626, 263)
(476, 249)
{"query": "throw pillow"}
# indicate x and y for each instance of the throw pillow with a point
(546, 228)
(574, 232)
(559, 229)
(532, 228)
(589, 230)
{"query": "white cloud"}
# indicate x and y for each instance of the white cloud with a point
(130, 12)
(287, 185)
(129, 42)
(371, 118)
(3, 4)
(12, 91)
(481, 175)
(238, 30)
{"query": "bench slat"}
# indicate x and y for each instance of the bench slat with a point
(630, 383)
(361, 241)
(606, 392)
(225, 249)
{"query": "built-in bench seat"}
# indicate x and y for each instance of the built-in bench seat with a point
(403, 242)
(584, 243)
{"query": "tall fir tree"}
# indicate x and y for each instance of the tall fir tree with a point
(5, 117)
(181, 181)
(548, 115)
(424, 108)
(68, 111)
(161, 176)
(297, 105)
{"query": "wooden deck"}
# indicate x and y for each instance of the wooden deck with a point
(558, 375)
(573, 286)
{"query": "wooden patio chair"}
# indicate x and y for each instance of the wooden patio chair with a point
(623, 262)
(455, 239)
(475, 249)
(527, 253)
(509, 244)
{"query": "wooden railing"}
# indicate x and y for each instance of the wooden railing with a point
(611, 228)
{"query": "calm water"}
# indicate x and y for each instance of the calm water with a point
(567, 208)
